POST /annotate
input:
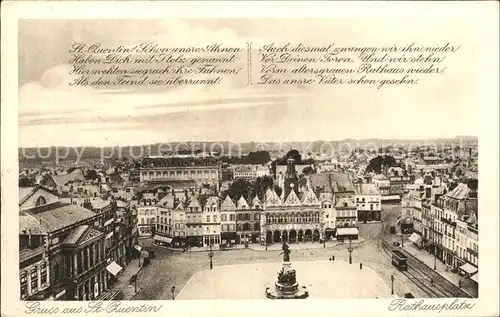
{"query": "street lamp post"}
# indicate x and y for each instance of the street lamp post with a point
(392, 284)
(173, 292)
(349, 248)
(210, 256)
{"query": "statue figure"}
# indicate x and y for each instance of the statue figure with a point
(286, 252)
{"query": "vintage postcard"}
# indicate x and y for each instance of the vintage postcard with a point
(206, 158)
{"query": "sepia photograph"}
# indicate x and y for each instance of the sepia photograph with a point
(191, 159)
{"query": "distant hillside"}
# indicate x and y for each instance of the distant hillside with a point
(228, 148)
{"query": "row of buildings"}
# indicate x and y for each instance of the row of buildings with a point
(315, 208)
(72, 250)
(446, 224)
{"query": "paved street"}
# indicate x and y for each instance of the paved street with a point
(175, 268)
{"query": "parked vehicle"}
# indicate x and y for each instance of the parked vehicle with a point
(399, 260)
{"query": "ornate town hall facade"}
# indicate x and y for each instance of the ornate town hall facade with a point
(296, 216)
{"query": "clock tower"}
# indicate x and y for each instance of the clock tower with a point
(291, 178)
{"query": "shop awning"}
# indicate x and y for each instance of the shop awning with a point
(114, 268)
(415, 238)
(468, 268)
(109, 235)
(138, 248)
(162, 238)
(347, 231)
(475, 277)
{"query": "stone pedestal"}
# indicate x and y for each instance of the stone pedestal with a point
(288, 289)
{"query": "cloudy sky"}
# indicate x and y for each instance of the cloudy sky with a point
(53, 113)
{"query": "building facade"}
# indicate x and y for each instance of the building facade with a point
(228, 221)
(62, 249)
(290, 219)
(368, 203)
(203, 170)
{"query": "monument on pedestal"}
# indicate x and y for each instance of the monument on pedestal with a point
(286, 287)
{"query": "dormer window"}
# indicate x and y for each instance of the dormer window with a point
(40, 201)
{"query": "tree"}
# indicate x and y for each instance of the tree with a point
(376, 163)
(472, 184)
(91, 175)
(261, 185)
(238, 188)
(26, 182)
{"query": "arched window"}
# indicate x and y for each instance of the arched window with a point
(40, 201)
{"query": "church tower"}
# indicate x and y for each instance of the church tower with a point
(291, 178)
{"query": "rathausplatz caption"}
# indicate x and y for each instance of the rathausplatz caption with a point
(271, 64)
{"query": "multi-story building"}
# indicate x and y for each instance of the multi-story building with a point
(472, 244)
(248, 221)
(398, 179)
(194, 221)
(290, 218)
(228, 221)
(460, 203)
(200, 168)
(62, 251)
(383, 185)
(147, 213)
(164, 229)
(368, 203)
(211, 227)
(244, 172)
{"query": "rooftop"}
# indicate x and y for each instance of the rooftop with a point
(50, 218)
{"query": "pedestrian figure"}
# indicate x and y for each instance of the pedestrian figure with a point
(329, 259)
(432, 282)
(360, 266)
(460, 284)
(333, 258)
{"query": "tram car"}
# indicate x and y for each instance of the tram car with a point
(399, 260)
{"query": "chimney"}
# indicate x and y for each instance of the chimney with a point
(29, 238)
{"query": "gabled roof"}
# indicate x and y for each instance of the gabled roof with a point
(292, 199)
(272, 198)
(27, 192)
(193, 202)
(228, 204)
(167, 201)
(82, 234)
(212, 200)
(242, 203)
(310, 199)
(256, 202)
(180, 205)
